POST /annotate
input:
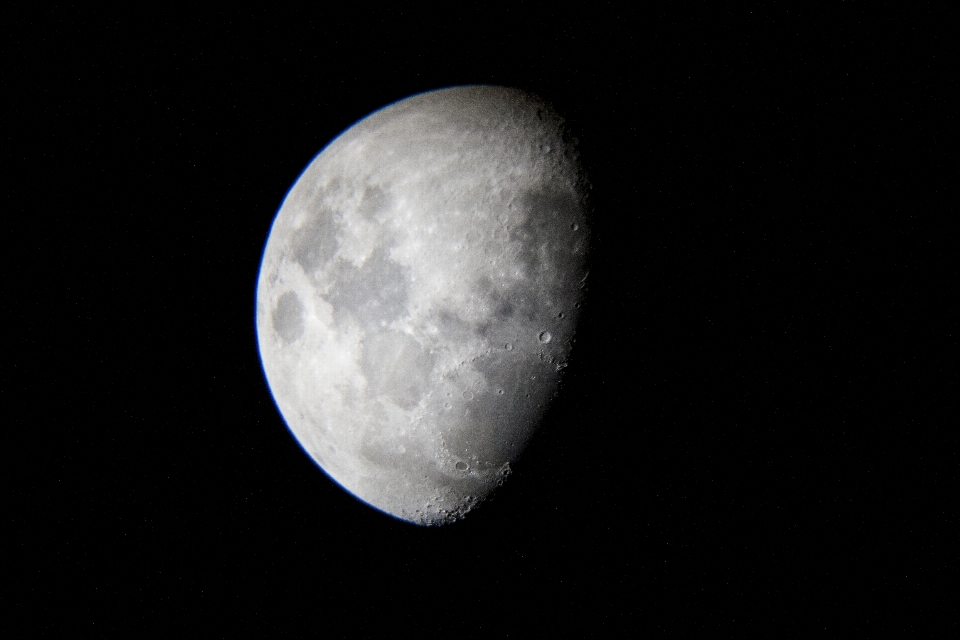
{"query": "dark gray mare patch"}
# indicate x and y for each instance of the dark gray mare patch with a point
(374, 294)
(287, 317)
(397, 366)
(374, 201)
(315, 242)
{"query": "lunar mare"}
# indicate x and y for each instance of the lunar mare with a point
(418, 296)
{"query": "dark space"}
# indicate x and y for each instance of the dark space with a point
(754, 432)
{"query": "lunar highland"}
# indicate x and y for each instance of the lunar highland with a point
(419, 293)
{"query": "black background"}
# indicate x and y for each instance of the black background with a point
(759, 424)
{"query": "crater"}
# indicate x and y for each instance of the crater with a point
(287, 317)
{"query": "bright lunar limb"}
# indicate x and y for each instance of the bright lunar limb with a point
(418, 296)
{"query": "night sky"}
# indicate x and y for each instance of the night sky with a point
(755, 427)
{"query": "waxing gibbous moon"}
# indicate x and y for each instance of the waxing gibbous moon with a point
(419, 293)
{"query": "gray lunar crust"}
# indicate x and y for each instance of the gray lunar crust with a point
(419, 293)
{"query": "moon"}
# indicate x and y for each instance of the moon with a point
(419, 293)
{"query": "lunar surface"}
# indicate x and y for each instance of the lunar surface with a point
(419, 293)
